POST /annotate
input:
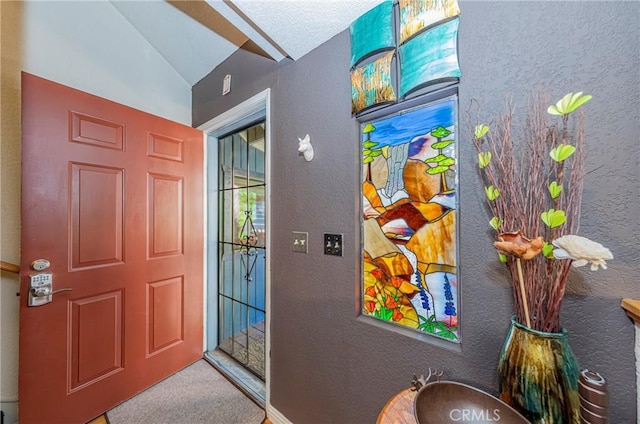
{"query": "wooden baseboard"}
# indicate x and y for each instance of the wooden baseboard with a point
(102, 419)
(276, 416)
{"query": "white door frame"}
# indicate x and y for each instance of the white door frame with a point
(250, 106)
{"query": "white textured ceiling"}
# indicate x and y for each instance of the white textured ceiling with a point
(195, 36)
(299, 26)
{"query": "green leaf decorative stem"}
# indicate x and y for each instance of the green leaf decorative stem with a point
(562, 152)
(480, 131)
(495, 223)
(547, 250)
(555, 189)
(533, 156)
(553, 218)
(568, 103)
(492, 193)
(532, 171)
(483, 159)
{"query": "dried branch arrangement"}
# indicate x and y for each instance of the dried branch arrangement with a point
(533, 180)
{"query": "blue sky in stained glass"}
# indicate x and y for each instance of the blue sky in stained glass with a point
(402, 128)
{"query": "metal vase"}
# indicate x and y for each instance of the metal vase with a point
(538, 375)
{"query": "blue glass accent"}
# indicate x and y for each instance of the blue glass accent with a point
(449, 309)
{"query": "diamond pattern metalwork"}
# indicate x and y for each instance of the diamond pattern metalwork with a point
(248, 242)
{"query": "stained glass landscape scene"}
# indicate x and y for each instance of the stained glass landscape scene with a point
(409, 184)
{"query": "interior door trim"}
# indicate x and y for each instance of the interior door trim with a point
(260, 101)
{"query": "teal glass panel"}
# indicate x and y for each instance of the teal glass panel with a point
(371, 84)
(372, 33)
(430, 58)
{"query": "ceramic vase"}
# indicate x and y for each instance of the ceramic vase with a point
(538, 375)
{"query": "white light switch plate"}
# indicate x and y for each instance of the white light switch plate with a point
(226, 85)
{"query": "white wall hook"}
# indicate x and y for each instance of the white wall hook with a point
(305, 147)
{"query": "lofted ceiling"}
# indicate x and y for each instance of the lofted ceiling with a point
(195, 36)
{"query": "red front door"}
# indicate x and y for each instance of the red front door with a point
(112, 199)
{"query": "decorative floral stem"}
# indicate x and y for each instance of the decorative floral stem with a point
(533, 177)
(523, 293)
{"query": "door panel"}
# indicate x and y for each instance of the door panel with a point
(112, 197)
(165, 215)
(165, 303)
(95, 338)
(97, 194)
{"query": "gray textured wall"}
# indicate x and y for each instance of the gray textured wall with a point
(327, 365)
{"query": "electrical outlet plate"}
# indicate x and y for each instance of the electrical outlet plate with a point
(333, 244)
(299, 241)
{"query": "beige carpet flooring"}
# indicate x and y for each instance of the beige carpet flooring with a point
(197, 394)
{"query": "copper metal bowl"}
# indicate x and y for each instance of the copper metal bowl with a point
(444, 402)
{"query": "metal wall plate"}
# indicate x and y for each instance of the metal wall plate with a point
(299, 242)
(333, 244)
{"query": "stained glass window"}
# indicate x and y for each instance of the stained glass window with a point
(409, 204)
